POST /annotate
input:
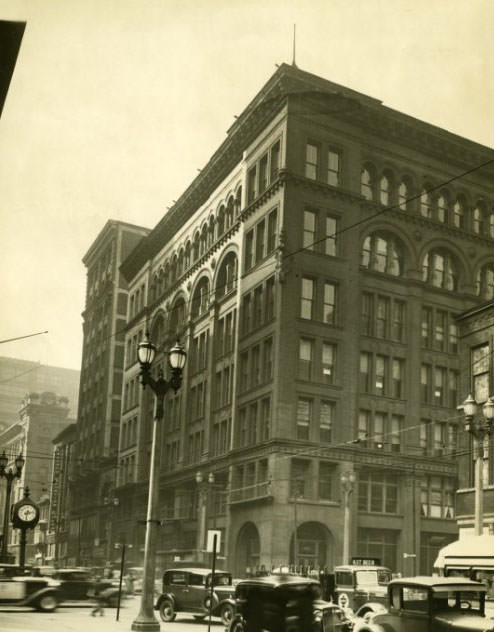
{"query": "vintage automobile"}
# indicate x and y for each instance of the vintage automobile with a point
(356, 584)
(433, 604)
(285, 603)
(41, 593)
(189, 590)
(76, 585)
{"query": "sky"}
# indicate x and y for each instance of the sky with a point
(114, 105)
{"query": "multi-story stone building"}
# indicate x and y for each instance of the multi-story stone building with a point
(314, 269)
(94, 454)
(41, 417)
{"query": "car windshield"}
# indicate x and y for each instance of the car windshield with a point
(464, 600)
(224, 579)
(373, 577)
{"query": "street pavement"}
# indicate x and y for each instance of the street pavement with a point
(78, 619)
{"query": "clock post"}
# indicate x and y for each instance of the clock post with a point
(25, 515)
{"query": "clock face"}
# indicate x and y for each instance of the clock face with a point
(27, 513)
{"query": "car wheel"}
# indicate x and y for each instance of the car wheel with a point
(167, 611)
(226, 614)
(47, 603)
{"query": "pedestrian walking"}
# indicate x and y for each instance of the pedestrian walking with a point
(97, 593)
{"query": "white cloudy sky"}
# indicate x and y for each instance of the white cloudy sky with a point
(115, 104)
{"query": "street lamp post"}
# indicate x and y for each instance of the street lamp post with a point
(479, 428)
(9, 475)
(146, 352)
(347, 480)
(204, 487)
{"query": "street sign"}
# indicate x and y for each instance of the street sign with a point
(210, 540)
(366, 561)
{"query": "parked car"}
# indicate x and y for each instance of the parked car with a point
(189, 590)
(285, 603)
(356, 584)
(41, 593)
(433, 604)
(77, 585)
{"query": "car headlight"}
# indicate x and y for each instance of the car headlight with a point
(54, 583)
(317, 616)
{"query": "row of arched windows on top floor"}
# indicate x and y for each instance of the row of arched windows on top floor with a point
(181, 310)
(383, 252)
(193, 249)
(430, 202)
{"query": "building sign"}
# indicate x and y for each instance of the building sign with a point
(55, 489)
(366, 561)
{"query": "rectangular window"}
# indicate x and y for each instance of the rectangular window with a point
(246, 313)
(260, 228)
(325, 480)
(453, 338)
(395, 434)
(329, 306)
(426, 327)
(249, 250)
(377, 493)
(425, 383)
(328, 362)
(272, 227)
(265, 420)
(397, 378)
(365, 371)
(381, 375)
(480, 362)
(300, 471)
(367, 313)
(439, 385)
(311, 161)
(333, 168)
(330, 243)
(309, 235)
(307, 299)
(363, 431)
(275, 161)
(251, 184)
(267, 359)
(244, 371)
(255, 369)
(440, 330)
(257, 307)
(382, 316)
(305, 358)
(326, 421)
(424, 435)
(378, 432)
(453, 380)
(398, 320)
(269, 302)
(304, 417)
(263, 173)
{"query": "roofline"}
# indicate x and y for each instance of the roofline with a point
(110, 225)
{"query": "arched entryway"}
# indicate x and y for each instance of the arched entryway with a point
(247, 550)
(314, 546)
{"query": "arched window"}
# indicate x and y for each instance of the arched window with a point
(187, 256)
(221, 221)
(227, 276)
(200, 299)
(404, 195)
(166, 277)
(478, 219)
(158, 332)
(229, 214)
(442, 208)
(173, 269)
(440, 270)
(366, 183)
(177, 317)
(382, 252)
(195, 248)
(211, 232)
(384, 190)
(459, 213)
(425, 202)
(204, 240)
(484, 285)
(238, 201)
(180, 263)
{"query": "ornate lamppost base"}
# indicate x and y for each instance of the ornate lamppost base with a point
(145, 625)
